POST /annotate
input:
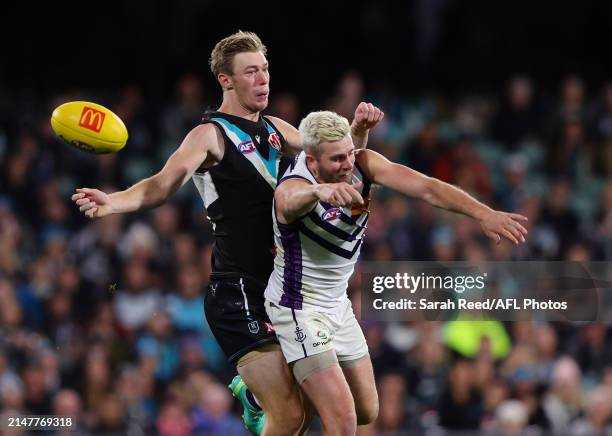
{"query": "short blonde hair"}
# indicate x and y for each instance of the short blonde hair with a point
(322, 126)
(222, 56)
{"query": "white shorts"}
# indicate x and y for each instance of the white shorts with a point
(306, 332)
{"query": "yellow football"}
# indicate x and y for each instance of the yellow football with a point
(89, 127)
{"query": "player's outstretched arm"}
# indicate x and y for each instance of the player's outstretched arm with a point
(201, 144)
(495, 224)
(296, 197)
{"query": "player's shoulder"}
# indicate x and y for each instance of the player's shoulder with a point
(278, 122)
(205, 136)
(368, 161)
(286, 129)
(365, 156)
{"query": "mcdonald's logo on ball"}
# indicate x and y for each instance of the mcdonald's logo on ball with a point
(89, 127)
(92, 119)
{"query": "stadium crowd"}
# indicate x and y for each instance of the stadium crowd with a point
(103, 320)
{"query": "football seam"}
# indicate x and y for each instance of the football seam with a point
(86, 134)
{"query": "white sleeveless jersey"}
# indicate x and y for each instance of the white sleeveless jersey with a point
(316, 254)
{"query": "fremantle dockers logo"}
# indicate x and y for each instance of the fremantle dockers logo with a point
(299, 334)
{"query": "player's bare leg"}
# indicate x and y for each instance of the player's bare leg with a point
(331, 396)
(309, 413)
(359, 375)
(270, 380)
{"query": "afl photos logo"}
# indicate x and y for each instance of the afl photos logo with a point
(92, 119)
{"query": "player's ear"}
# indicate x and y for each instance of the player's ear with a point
(225, 81)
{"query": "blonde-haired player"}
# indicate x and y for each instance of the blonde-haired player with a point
(320, 217)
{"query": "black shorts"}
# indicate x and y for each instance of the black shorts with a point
(234, 308)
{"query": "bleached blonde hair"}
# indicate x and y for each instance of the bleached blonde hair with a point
(322, 126)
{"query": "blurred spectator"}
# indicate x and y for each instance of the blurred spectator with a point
(460, 406)
(94, 251)
(67, 403)
(392, 398)
(462, 167)
(513, 191)
(136, 302)
(349, 94)
(518, 118)
(286, 106)
(568, 152)
(37, 394)
(186, 306)
(563, 401)
(511, 418)
(593, 351)
(557, 216)
(186, 112)
(421, 153)
(603, 115)
(597, 415)
(570, 107)
(212, 414)
(173, 420)
(110, 416)
(158, 346)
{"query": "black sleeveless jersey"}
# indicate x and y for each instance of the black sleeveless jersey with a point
(238, 192)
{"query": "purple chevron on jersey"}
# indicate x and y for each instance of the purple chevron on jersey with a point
(292, 271)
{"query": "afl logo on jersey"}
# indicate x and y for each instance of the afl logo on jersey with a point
(246, 147)
(274, 141)
(331, 214)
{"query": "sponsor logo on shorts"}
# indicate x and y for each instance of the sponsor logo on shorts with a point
(246, 147)
(254, 327)
(274, 141)
(331, 214)
(92, 119)
(324, 338)
(299, 334)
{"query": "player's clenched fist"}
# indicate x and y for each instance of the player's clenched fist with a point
(339, 194)
(92, 202)
(367, 116)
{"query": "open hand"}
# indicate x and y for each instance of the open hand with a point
(502, 224)
(92, 202)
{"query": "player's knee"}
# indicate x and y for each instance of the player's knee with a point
(346, 422)
(367, 413)
(339, 420)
